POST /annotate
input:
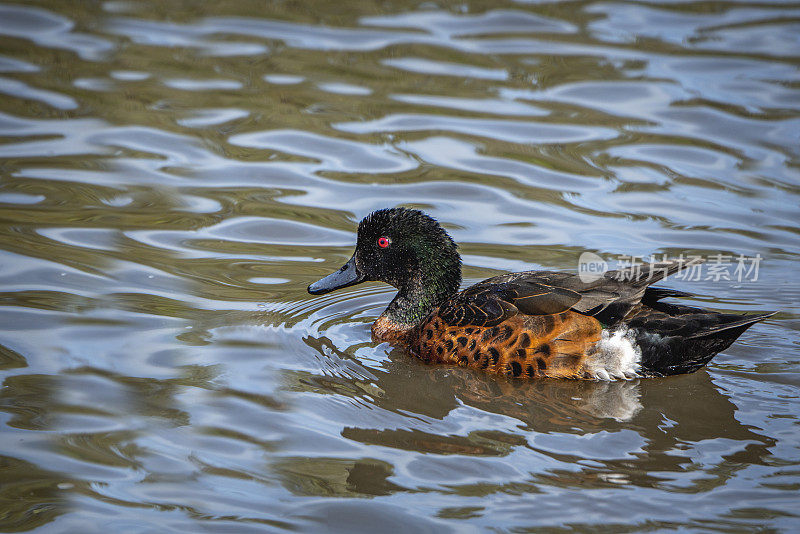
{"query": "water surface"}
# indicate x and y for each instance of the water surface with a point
(172, 176)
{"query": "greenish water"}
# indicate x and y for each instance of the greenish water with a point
(173, 175)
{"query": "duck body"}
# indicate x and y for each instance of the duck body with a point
(525, 324)
(532, 324)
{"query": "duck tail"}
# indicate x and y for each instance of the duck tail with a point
(732, 322)
(685, 342)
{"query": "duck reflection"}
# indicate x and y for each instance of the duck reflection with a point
(434, 391)
(665, 423)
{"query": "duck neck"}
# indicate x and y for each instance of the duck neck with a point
(418, 296)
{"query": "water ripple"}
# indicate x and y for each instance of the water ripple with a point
(48, 29)
(171, 180)
(337, 154)
(503, 130)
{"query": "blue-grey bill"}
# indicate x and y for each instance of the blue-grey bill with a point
(348, 275)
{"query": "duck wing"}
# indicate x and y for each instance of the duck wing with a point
(608, 298)
(490, 303)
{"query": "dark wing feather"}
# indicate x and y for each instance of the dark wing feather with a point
(476, 307)
(488, 304)
(533, 298)
(608, 298)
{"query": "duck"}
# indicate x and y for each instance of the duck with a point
(531, 324)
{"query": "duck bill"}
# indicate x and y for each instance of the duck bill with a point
(348, 275)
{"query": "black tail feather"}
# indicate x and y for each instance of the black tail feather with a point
(677, 339)
(735, 321)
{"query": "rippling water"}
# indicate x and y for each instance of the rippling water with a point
(172, 176)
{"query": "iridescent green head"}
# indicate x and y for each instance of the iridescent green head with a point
(407, 249)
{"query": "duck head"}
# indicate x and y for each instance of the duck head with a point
(406, 249)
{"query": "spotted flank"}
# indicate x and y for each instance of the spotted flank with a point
(566, 345)
(533, 324)
(532, 347)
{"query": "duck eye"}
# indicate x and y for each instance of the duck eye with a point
(383, 242)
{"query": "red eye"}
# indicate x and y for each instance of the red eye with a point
(383, 242)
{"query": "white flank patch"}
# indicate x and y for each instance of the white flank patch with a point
(615, 356)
